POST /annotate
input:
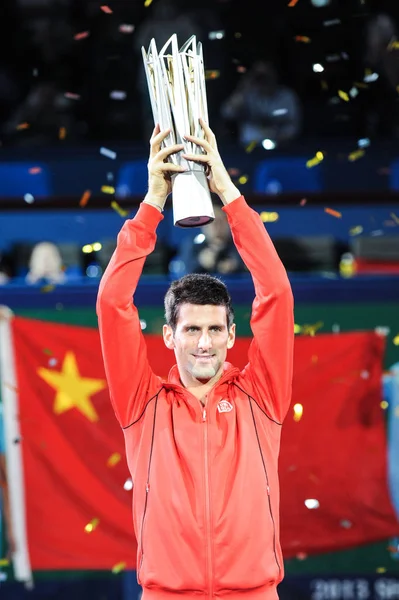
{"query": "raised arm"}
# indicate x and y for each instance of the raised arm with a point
(272, 321)
(130, 379)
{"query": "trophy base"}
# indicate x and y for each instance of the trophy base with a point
(191, 198)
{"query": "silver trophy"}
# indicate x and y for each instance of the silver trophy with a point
(176, 83)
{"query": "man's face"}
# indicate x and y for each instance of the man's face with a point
(200, 341)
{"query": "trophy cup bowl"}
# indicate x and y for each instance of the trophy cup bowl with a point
(176, 85)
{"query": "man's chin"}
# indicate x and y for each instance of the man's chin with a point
(204, 373)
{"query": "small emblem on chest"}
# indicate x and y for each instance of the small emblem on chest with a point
(224, 406)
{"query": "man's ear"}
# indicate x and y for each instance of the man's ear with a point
(168, 337)
(232, 337)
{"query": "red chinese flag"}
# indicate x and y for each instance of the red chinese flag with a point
(78, 512)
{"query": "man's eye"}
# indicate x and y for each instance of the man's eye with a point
(216, 328)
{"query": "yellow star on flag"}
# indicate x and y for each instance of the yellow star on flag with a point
(73, 391)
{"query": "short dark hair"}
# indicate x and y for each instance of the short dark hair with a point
(197, 288)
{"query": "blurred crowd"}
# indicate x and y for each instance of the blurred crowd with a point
(71, 70)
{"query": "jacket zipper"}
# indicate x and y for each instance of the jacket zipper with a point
(207, 504)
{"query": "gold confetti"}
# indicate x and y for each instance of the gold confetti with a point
(119, 567)
(394, 45)
(92, 525)
(62, 133)
(311, 329)
(356, 230)
(212, 74)
(316, 160)
(47, 288)
(343, 95)
(113, 459)
(303, 38)
(81, 36)
(395, 218)
(298, 412)
(356, 155)
(251, 146)
(269, 217)
(118, 209)
(384, 404)
(147, 3)
(85, 198)
(396, 340)
(381, 570)
(106, 9)
(108, 189)
(243, 179)
(4, 562)
(333, 213)
(23, 126)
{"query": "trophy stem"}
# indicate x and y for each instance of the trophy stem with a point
(191, 198)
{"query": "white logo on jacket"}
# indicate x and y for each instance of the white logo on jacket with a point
(224, 406)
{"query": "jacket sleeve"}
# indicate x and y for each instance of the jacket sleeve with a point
(131, 381)
(270, 355)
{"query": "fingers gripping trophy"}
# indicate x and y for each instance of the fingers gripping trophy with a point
(176, 84)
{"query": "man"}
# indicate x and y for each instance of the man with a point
(203, 447)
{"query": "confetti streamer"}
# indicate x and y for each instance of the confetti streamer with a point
(119, 209)
(62, 133)
(333, 213)
(22, 126)
(92, 525)
(72, 96)
(293, 3)
(85, 198)
(106, 9)
(343, 95)
(108, 153)
(113, 459)
(356, 155)
(118, 567)
(81, 36)
(147, 3)
(316, 160)
(303, 38)
(251, 146)
(108, 189)
(34, 170)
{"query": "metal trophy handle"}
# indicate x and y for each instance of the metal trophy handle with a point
(176, 84)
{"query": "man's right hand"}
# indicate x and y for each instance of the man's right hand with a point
(159, 169)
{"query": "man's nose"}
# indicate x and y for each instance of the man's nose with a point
(205, 341)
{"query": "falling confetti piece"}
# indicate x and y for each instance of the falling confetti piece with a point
(212, 74)
(48, 351)
(34, 170)
(62, 133)
(297, 328)
(92, 525)
(128, 485)
(4, 562)
(384, 404)
(303, 202)
(29, 199)
(234, 172)
(356, 155)
(269, 217)
(333, 213)
(147, 3)
(396, 340)
(343, 95)
(118, 95)
(52, 362)
(301, 556)
(298, 412)
(106, 9)
(312, 329)
(293, 3)
(312, 503)
(113, 459)
(47, 288)
(22, 126)
(394, 45)
(251, 146)
(85, 198)
(303, 38)
(241, 69)
(126, 28)
(108, 153)
(108, 189)
(331, 22)
(119, 567)
(243, 179)
(72, 96)
(356, 230)
(81, 36)
(381, 570)
(395, 218)
(118, 209)
(346, 524)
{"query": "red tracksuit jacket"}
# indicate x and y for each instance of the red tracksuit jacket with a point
(205, 482)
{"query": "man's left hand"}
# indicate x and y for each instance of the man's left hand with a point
(218, 178)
